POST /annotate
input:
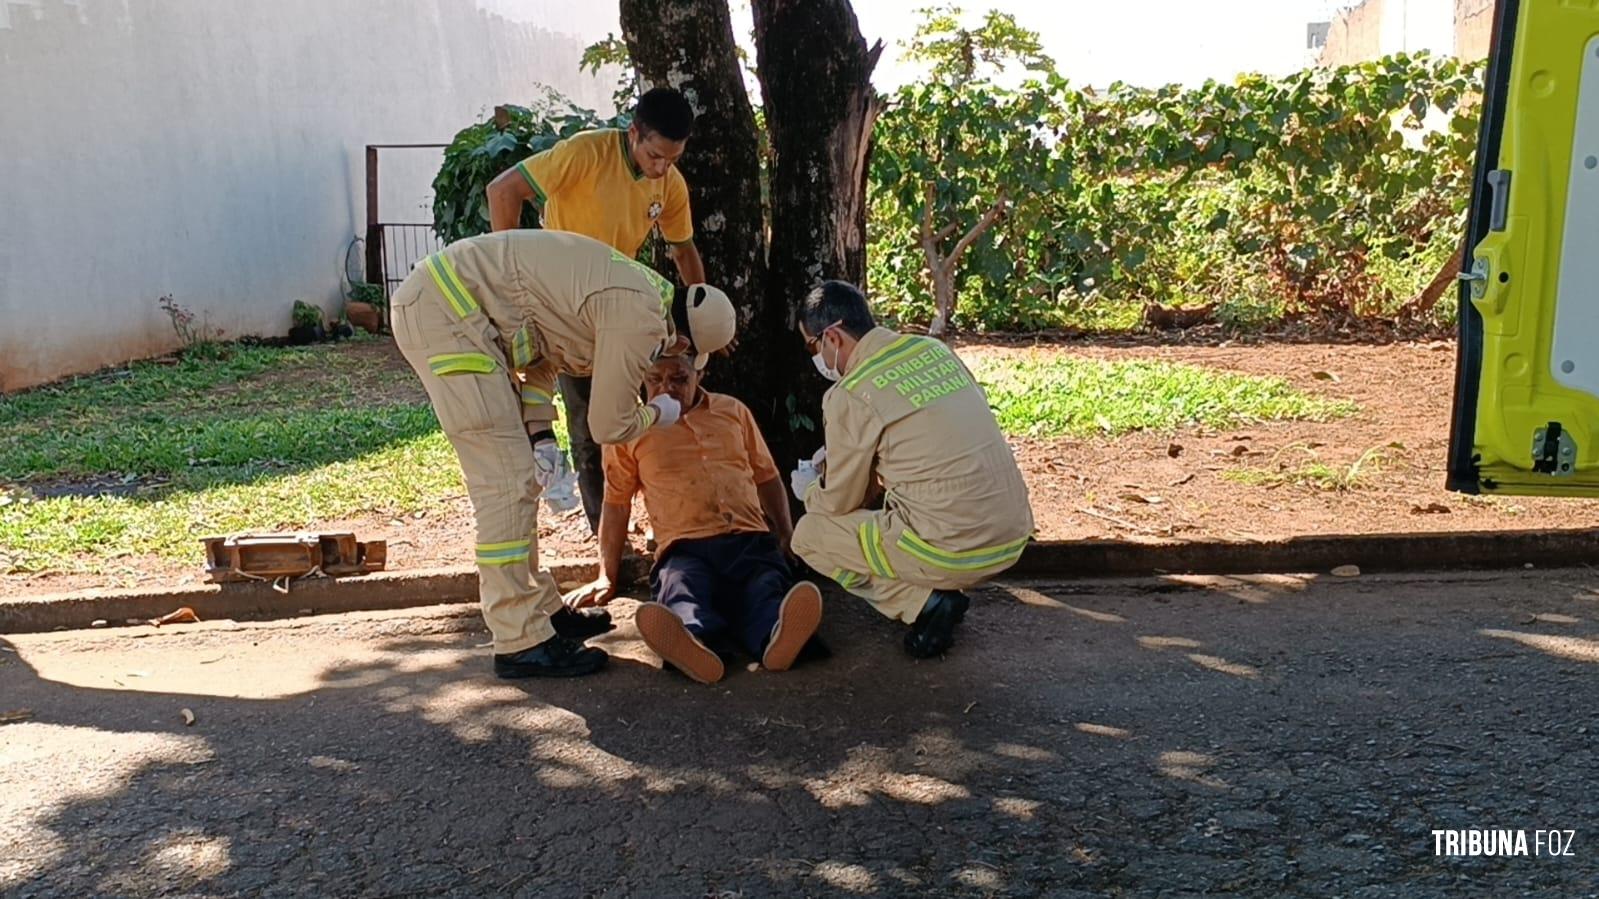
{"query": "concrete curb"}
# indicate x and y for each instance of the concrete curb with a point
(1372, 552)
(258, 601)
(1087, 558)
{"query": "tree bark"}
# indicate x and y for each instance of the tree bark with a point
(688, 45)
(1421, 305)
(815, 71)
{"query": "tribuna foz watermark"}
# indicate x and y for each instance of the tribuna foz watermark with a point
(1502, 842)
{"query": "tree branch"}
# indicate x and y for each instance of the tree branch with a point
(1422, 303)
(872, 56)
(992, 215)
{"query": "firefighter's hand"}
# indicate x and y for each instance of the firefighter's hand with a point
(667, 410)
(801, 479)
(597, 592)
(547, 462)
(727, 351)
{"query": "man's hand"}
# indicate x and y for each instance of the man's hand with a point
(727, 351)
(801, 479)
(667, 410)
(547, 462)
(598, 592)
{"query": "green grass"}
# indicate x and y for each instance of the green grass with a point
(1312, 474)
(1316, 473)
(262, 439)
(88, 533)
(148, 459)
(258, 407)
(1050, 397)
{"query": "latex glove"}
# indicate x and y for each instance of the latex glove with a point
(667, 410)
(547, 463)
(597, 592)
(802, 478)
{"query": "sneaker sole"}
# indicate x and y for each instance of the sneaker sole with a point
(664, 632)
(797, 620)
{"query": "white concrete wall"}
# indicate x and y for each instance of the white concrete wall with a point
(213, 150)
(1410, 26)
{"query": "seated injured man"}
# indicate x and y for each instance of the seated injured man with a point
(721, 519)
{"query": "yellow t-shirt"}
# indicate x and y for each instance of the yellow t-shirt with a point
(588, 184)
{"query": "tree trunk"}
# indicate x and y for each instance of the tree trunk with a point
(688, 45)
(1421, 305)
(943, 303)
(814, 68)
(942, 269)
(815, 71)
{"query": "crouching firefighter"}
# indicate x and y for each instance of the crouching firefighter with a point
(907, 424)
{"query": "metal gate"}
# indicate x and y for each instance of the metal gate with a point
(393, 248)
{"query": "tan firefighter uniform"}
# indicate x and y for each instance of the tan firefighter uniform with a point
(487, 323)
(955, 510)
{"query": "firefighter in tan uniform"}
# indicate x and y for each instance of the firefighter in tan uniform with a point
(905, 421)
(488, 323)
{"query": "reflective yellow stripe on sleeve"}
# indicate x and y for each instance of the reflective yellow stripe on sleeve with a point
(848, 579)
(532, 396)
(521, 348)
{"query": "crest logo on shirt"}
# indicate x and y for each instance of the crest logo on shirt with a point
(655, 210)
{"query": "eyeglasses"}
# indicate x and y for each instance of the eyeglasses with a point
(814, 344)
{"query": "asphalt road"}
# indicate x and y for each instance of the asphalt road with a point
(1264, 736)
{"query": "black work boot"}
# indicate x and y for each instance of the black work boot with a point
(555, 657)
(934, 631)
(581, 624)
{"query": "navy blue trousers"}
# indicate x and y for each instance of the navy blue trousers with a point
(727, 586)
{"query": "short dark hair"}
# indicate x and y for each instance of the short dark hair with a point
(837, 301)
(665, 112)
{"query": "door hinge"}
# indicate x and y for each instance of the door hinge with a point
(1553, 451)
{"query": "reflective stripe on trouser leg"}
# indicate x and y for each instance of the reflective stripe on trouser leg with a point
(833, 545)
(481, 415)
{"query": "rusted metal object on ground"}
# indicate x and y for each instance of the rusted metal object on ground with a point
(271, 557)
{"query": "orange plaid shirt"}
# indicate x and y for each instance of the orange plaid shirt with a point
(698, 475)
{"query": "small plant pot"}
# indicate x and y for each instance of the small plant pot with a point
(300, 335)
(365, 316)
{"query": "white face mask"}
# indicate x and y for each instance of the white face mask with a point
(828, 371)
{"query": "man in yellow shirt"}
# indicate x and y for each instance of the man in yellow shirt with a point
(616, 187)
